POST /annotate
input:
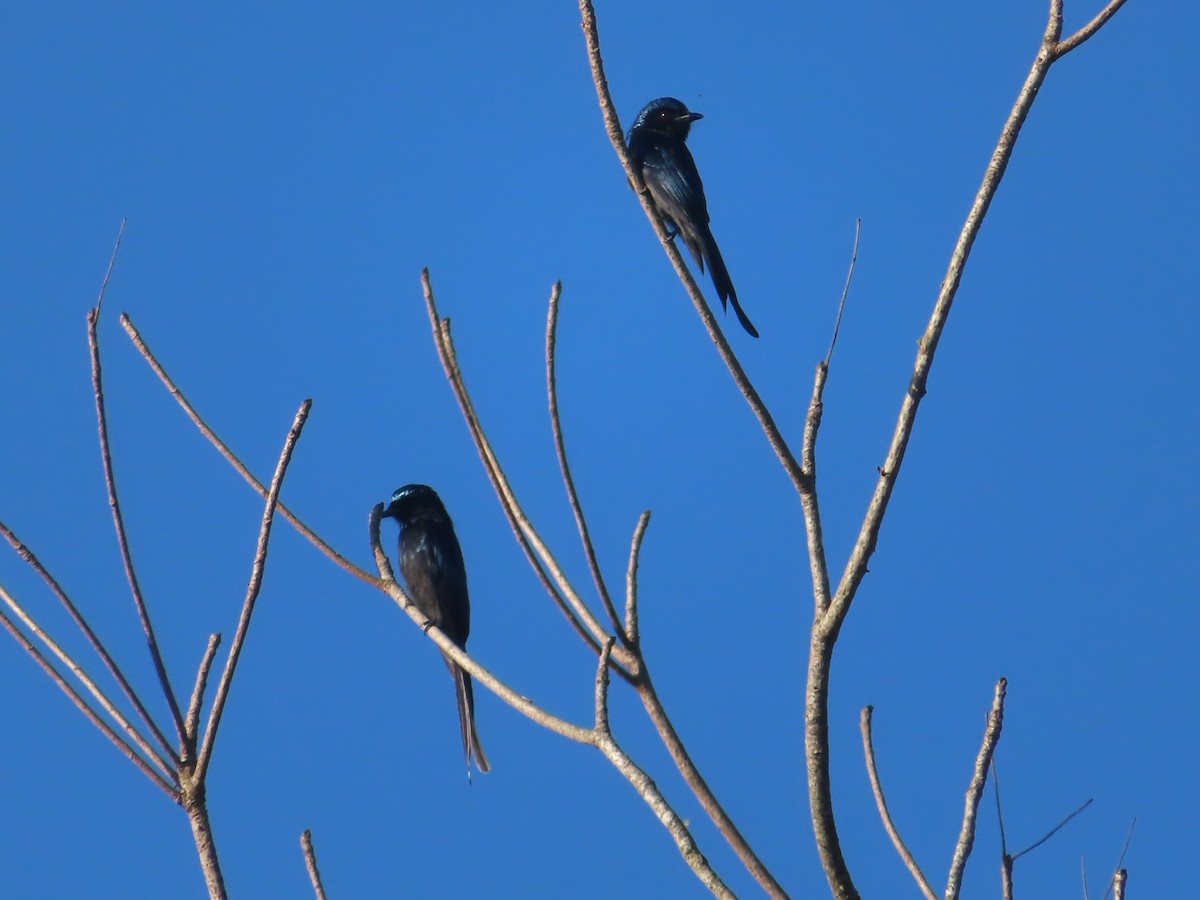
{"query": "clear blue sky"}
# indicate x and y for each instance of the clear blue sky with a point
(287, 172)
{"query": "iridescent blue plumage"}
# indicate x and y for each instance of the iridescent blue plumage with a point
(431, 564)
(658, 150)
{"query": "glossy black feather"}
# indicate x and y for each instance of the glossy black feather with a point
(431, 563)
(658, 149)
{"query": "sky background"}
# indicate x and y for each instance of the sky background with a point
(286, 173)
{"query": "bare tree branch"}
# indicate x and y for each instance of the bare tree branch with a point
(830, 621)
(1050, 50)
(1006, 860)
(817, 560)
(646, 788)
(256, 577)
(632, 628)
(601, 726)
(538, 554)
(966, 838)
(1062, 48)
(1119, 872)
(143, 348)
(195, 805)
(310, 862)
(910, 863)
(166, 762)
(121, 744)
(699, 787)
(816, 753)
(560, 449)
(110, 481)
(1119, 881)
(837, 322)
(112, 264)
(553, 579)
(1053, 831)
(192, 722)
(809, 501)
(193, 778)
(856, 567)
(999, 811)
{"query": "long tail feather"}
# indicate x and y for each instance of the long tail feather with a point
(465, 693)
(724, 284)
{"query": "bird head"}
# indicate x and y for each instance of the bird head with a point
(666, 115)
(415, 501)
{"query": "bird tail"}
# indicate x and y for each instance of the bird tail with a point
(742, 317)
(723, 283)
(465, 693)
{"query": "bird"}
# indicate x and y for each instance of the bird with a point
(431, 563)
(658, 150)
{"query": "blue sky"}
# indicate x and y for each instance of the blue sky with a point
(287, 172)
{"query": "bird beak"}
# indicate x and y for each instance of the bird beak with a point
(693, 116)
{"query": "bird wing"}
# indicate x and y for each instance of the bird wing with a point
(432, 565)
(670, 173)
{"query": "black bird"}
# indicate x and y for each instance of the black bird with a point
(661, 158)
(431, 562)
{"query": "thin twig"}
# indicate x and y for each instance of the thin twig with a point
(837, 323)
(864, 725)
(112, 264)
(1120, 861)
(577, 612)
(1053, 831)
(190, 411)
(1006, 860)
(999, 811)
(105, 729)
(560, 448)
(110, 482)
(809, 499)
(632, 628)
(517, 520)
(310, 862)
(543, 562)
(168, 761)
(192, 722)
(256, 577)
(1062, 48)
(520, 703)
(966, 838)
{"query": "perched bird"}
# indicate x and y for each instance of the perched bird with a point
(431, 562)
(658, 150)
